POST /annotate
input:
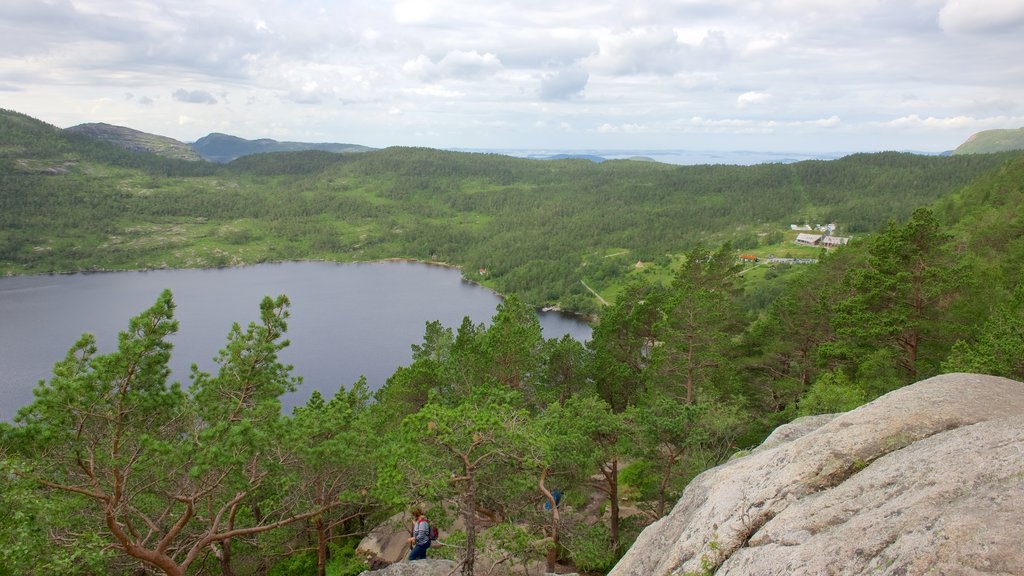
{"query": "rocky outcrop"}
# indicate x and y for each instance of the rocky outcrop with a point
(137, 141)
(417, 568)
(928, 479)
(388, 542)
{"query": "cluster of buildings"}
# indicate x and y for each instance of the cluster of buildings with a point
(823, 238)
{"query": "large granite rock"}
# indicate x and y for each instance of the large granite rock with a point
(417, 568)
(389, 542)
(928, 479)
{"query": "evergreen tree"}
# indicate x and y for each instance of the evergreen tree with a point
(900, 298)
(168, 477)
(998, 348)
(701, 319)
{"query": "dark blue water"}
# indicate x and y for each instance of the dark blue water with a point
(346, 320)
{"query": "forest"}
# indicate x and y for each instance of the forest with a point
(114, 469)
(538, 229)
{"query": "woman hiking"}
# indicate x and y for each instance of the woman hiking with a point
(420, 539)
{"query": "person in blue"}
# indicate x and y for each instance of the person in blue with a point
(556, 494)
(420, 539)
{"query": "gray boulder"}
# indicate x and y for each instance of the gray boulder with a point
(928, 479)
(417, 568)
(388, 542)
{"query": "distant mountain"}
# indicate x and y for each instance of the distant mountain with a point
(993, 141)
(223, 148)
(137, 141)
(591, 157)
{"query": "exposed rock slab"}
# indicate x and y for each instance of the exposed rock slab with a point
(388, 542)
(417, 568)
(928, 479)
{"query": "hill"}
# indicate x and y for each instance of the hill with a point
(548, 231)
(137, 141)
(222, 148)
(992, 141)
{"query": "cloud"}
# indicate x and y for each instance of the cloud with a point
(914, 121)
(646, 68)
(194, 96)
(660, 51)
(413, 11)
(472, 64)
(978, 17)
(621, 128)
(752, 98)
(435, 91)
(564, 84)
(310, 93)
(753, 126)
(459, 64)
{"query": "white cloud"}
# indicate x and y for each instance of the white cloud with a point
(311, 93)
(982, 16)
(471, 64)
(914, 121)
(646, 68)
(752, 98)
(414, 11)
(455, 64)
(564, 84)
(621, 128)
(435, 91)
(194, 96)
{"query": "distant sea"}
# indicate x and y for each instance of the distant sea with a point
(681, 157)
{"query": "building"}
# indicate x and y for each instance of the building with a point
(834, 241)
(808, 239)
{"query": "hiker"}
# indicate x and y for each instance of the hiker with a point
(420, 540)
(556, 494)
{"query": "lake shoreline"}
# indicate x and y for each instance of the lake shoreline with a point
(588, 318)
(345, 322)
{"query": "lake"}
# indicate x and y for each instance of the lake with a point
(346, 320)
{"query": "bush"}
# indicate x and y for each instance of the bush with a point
(590, 548)
(299, 564)
(832, 392)
(343, 562)
(638, 481)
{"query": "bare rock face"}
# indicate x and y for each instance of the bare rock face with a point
(417, 568)
(389, 542)
(928, 479)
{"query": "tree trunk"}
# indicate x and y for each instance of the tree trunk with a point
(666, 476)
(321, 547)
(225, 558)
(613, 496)
(469, 515)
(690, 376)
(552, 555)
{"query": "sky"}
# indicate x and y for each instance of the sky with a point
(771, 75)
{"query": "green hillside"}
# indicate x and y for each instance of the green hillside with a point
(545, 230)
(992, 141)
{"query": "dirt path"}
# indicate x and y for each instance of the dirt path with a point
(594, 292)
